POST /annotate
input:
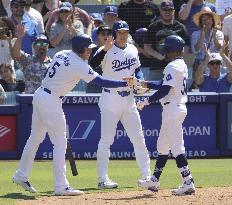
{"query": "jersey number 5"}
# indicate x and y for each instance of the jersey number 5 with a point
(52, 72)
(184, 90)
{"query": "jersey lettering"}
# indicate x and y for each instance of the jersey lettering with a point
(53, 71)
(184, 90)
(168, 77)
(118, 65)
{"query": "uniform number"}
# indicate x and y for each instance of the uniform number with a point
(184, 89)
(52, 72)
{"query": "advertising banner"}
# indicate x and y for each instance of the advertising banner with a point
(83, 130)
(7, 133)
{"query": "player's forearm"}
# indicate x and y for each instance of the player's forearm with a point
(152, 52)
(161, 93)
(96, 60)
(99, 80)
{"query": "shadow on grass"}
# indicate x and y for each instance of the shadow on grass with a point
(144, 196)
(18, 196)
(115, 189)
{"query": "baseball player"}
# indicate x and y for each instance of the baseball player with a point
(172, 93)
(118, 104)
(66, 69)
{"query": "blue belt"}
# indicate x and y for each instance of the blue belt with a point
(121, 93)
(50, 92)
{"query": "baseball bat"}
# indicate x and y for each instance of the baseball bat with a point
(71, 159)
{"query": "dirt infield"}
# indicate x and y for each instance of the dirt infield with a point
(203, 196)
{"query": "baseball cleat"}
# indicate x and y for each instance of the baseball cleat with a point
(107, 184)
(25, 184)
(151, 184)
(69, 191)
(184, 189)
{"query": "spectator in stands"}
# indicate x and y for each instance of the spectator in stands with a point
(34, 66)
(110, 15)
(45, 7)
(227, 31)
(64, 29)
(144, 57)
(157, 32)
(208, 34)
(2, 95)
(18, 17)
(8, 81)
(177, 5)
(224, 8)
(189, 9)
(35, 15)
(78, 14)
(214, 81)
(138, 13)
(9, 84)
(104, 42)
(7, 31)
(97, 21)
(2, 8)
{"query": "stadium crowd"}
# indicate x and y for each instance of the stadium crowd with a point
(32, 31)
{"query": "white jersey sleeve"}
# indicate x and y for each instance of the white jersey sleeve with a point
(170, 76)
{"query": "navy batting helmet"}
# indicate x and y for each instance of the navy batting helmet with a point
(79, 43)
(119, 25)
(139, 36)
(173, 43)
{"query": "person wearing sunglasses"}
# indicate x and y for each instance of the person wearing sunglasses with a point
(214, 81)
(34, 67)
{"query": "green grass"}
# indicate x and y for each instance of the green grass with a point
(207, 173)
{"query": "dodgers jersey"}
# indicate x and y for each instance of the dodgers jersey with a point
(119, 63)
(65, 71)
(175, 75)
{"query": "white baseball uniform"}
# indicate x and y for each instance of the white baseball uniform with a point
(118, 104)
(174, 109)
(64, 73)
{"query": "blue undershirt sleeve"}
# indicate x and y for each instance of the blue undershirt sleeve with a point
(139, 74)
(99, 80)
(154, 84)
(162, 92)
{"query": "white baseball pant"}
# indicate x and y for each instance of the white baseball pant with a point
(115, 108)
(48, 116)
(171, 132)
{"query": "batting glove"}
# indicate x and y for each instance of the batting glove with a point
(142, 103)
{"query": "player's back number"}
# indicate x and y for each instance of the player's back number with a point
(52, 71)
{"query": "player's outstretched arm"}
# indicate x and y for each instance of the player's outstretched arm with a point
(162, 92)
(99, 80)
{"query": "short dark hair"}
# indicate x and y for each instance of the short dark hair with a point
(8, 25)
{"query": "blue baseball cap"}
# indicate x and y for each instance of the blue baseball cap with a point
(42, 37)
(96, 16)
(65, 6)
(111, 10)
